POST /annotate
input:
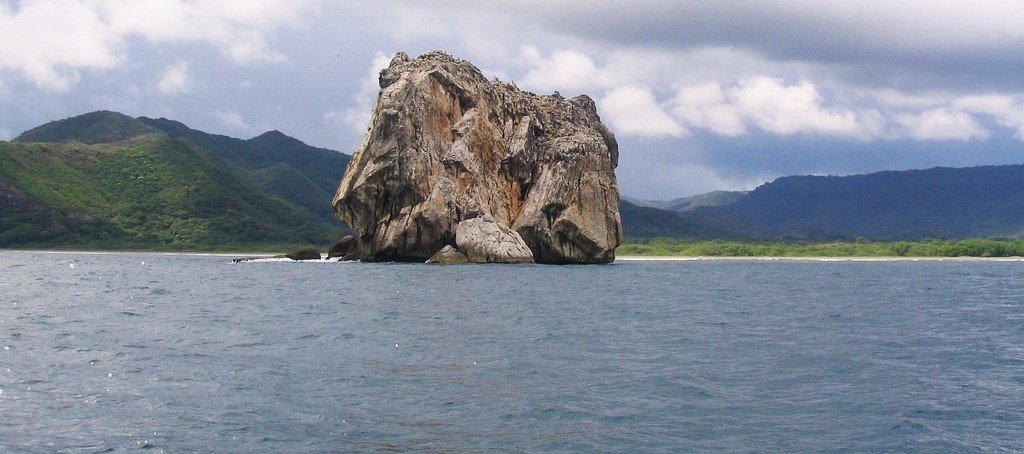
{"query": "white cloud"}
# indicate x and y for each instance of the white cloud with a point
(758, 101)
(940, 124)
(357, 117)
(788, 109)
(959, 113)
(175, 79)
(574, 70)
(249, 47)
(1006, 110)
(774, 107)
(236, 27)
(245, 85)
(232, 120)
(49, 42)
(762, 101)
(5, 134)
(563, 70)
(633, 110)
(705, 106)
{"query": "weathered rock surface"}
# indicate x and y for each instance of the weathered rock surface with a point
(446, 146)
(448, 256)
(304, 254)
(484, 240)
(301, 254)
(345, 246)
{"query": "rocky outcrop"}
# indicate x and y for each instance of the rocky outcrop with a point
(343, 248)
(301, 254)
(448, 256)
(448, 151)
(484, 240)
(304, 254)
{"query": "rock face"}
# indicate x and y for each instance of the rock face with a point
(448, 256)
(304, 254)
(484, 240)
(448, 151)
(345, 246)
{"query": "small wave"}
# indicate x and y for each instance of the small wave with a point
(288, 260)
(266, 260)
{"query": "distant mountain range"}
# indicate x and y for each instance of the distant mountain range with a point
(683, 204)
(985, 201)
(107, 180)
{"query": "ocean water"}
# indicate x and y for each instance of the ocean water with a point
(184, 353)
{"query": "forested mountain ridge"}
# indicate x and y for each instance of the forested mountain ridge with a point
(984, 201)
(105, 179)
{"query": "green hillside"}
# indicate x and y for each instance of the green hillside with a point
(101, 126)
(152, 191)
(280, 165)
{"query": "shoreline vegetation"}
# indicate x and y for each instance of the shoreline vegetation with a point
(974, 247)
(230, 249)
(657, 248)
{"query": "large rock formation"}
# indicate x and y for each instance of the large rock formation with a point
(445, 147)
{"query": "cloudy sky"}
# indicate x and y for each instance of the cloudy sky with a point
(702, 95)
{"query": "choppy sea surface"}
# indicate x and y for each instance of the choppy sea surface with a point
(184, 353)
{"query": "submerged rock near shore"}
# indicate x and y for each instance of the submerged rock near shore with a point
(501, 175)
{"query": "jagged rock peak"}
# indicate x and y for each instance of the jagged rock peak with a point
(445, 146)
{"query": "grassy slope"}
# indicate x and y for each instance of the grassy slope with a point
(284, 166)
(102, 126)
(149, 192)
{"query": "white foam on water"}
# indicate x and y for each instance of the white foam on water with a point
(288, 260)
(268, 260)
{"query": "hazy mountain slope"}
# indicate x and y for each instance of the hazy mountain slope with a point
(709, 199)
(690, 203)
(645, 222)
(982, 201)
